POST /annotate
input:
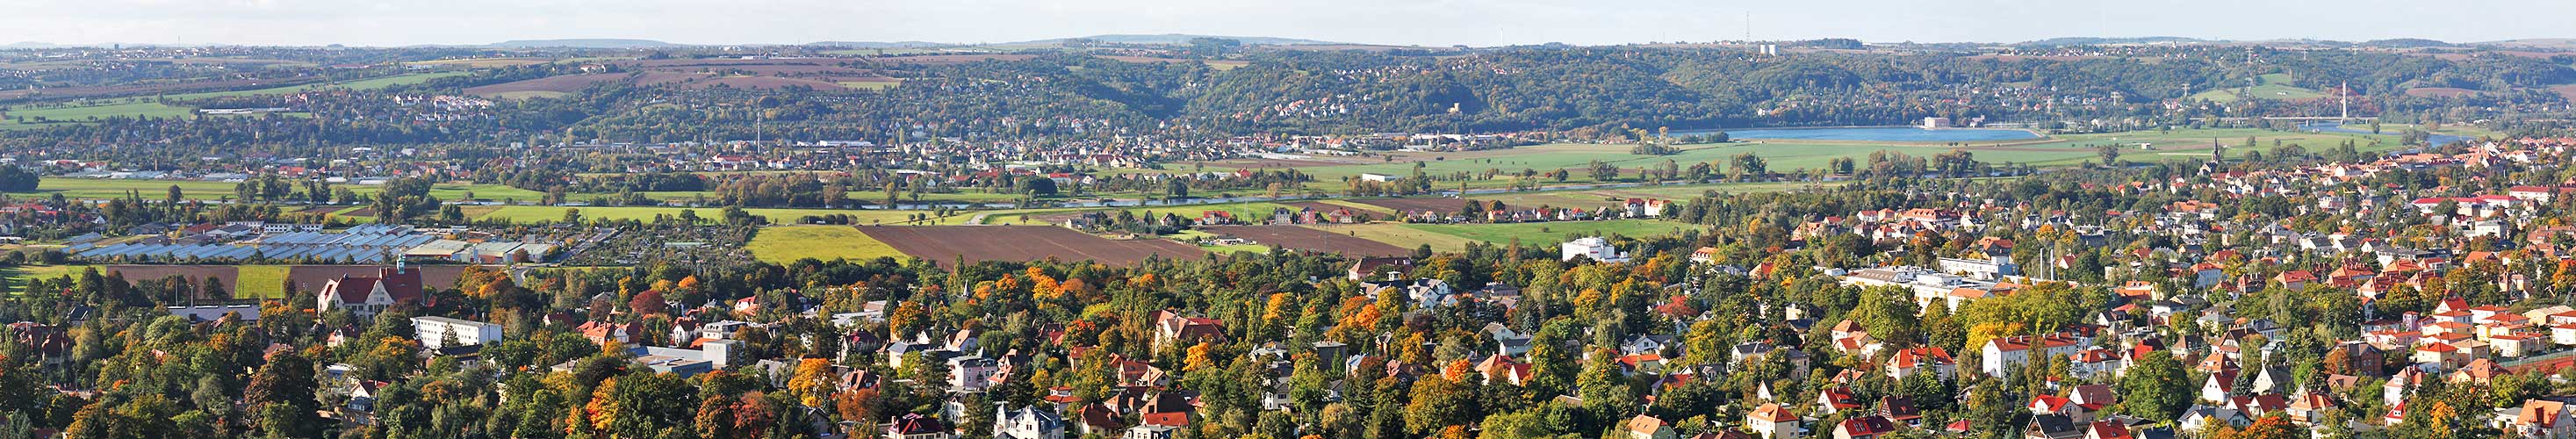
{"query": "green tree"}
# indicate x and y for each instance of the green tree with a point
(2156, 388)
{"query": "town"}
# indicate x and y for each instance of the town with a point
(1200, 237)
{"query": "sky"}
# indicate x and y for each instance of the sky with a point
(1410, 22)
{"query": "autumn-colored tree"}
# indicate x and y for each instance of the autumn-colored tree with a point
(812, 382)
(1198, 358)
(860, 405)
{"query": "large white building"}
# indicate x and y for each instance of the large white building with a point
(1595, 248)
(435, 332)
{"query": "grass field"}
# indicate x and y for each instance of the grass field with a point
(2272, 86)
(1553, 232)
(99, 188)
(363, 84)
(95, 188)
(263, 281)
(478, 63)
(26, 117)
(784, 244)
(81, 111)
(15, 278)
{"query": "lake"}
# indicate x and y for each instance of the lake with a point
(1881, 134)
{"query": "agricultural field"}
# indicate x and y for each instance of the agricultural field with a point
(363, 84)
(81, 111)
(100, 188)
(1307, 239)
(784, 244)
(32, 117)
(262, 281)
(482, 63)
(2273, 86)
(1399, 235)
(539, 214)
(1554, 232)
(1193, 236)
(14, 279)
(1022, 243)
(1789, 155)
(97, 188)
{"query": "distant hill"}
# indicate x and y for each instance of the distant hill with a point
(2546, 43)
(2093, 41)
(2407, 43)
(30, 45)
(881, 44)
(585, 43)
(1179, 39)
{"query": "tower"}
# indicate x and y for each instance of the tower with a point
(2345, 91)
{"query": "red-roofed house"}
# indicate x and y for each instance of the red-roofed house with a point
(364, 296)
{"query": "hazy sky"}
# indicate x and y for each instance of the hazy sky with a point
(1424, 22)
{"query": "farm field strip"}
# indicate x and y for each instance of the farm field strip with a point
(785, 244)
(1022, 243)
(1310, 240)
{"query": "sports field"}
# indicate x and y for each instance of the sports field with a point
(789, 243)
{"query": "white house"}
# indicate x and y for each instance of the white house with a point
(1026, 423)
(2004, 353)
(1594, 248)
(434, 332)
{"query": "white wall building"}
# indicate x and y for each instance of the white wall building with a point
(1595, 248)
(435, 332)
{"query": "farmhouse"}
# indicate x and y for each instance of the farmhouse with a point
(364, 296)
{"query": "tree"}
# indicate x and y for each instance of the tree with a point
(2110, 153)
(1038, 185)
(1749, 166)
(1437, 402)
(812, 381)
(2156, 388)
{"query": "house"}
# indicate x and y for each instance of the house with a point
(605, 332)
(2057, 405)
(1772, 421)
(1380, 268)
(2199, 417)
(971, 373)
(2543, 418)
(1649, 427)
(1865, 427)
(2307, 408)
(1593, 248)
(365, 296)
(2053, 426)
(1910, 361)
(1026, 423)
(916, 426)
(1150, 432)
(1834, 400)
(1171, 329)
(438, 332)
(1901, 410)
(2218, 386)
(2005, 353)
